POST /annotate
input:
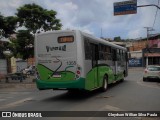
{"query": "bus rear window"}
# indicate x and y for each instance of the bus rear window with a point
(65, 39)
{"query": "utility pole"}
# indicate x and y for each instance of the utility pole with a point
(101, 33)
(147, 46)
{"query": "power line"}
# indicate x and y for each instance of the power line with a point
(155, 15)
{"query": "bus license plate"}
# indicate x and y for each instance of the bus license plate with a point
(57, 75)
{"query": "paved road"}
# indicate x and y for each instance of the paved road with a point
(131, 95)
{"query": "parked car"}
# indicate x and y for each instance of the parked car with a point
(152, 72)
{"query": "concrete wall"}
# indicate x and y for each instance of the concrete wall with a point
(3, 66)
(136, 54)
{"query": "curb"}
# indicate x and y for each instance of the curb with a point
(18, 85)
(138, 68)
(28, 83)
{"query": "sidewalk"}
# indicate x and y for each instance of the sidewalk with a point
(28, 83)
(136, 68)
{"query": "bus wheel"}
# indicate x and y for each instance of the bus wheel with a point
(105, 84)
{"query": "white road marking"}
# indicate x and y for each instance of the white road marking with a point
(15, 103)
(112, 108)
(140, 82)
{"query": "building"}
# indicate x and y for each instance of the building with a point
(153, 55)
(141, 50)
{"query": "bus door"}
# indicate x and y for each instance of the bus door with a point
(94, 49)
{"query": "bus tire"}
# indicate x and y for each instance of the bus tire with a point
(105, 84)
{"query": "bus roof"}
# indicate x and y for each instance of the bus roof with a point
(56, 31)
(95, 39)
(102, 41)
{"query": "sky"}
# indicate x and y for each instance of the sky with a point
(96, 16)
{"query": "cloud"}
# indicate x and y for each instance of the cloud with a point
(66, 11)
(135, 33)
(9, 7)
(93, 15)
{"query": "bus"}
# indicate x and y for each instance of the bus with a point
(72, 59)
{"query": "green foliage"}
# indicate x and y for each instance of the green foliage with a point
(35, 18)
(20, 46)
(24, 39)
(7, 25)
(10, 25)
(117, 39)
(1, 25)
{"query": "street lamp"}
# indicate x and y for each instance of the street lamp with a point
(8, 55)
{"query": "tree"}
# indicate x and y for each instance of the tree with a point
(117, 39)
(7, 25)
(24, 39)
(10, 25)
(35, 18)
(1, 26)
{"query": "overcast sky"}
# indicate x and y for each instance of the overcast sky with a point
(92, 16)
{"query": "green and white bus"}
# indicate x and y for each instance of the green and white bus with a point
(71, 59)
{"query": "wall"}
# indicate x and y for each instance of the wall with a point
(137, 45)
(3, 66)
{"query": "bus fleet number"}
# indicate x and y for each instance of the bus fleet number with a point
(71, 62)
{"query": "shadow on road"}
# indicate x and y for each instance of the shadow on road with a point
(73, 96)
(80, 95)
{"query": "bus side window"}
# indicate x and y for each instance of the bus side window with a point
(87, 48)
(121, 55)
(118, 54)
(114, 55)
(101, 53)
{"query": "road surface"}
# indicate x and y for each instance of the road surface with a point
(131, 95)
